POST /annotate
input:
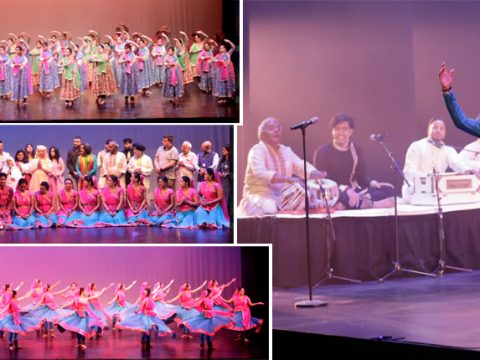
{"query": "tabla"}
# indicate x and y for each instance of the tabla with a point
(293, 195)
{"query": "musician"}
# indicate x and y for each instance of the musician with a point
(344, 164)
(430, 153)
(270, 167)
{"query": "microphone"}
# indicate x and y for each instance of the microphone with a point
(305, 123)
(378, 137)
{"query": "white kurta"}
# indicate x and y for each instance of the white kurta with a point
(260, 196)
(422, 157)
(190, 161)
(13, 175)
(145, 165)
(39, 175)
(114, 164)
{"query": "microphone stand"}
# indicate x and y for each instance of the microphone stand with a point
(441, 233)
(310, 302)
(331, 237)
(397, 266)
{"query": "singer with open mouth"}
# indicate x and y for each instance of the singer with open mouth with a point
(344, 164)
(270, 167)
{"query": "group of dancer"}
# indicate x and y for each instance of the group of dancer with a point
(192, 190)
(83, 314)
(125, 63)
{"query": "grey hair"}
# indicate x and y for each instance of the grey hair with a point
(261, 127)
(188, 143)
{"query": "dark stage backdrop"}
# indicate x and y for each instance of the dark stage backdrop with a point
(79, 16)
(104, 265)
(377, 61)
(16, 137)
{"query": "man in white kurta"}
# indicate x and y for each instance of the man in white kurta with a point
(114, 163)
(100, 160)
(270, 167)
(187, 162)
(3, 156)
(141, 163)
(430, 153)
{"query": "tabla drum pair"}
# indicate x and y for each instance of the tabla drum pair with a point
(320, 192)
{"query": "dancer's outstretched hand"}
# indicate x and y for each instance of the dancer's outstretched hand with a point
(446, 77)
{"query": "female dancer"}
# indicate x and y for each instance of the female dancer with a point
(137, 201)
(30, 151)
(224, 78)
(23, 205)
(145, 66)
(129, 73)
(45, 207)
(96, 307)
(164, 311)
(16, 323)
(82, 65)
(48, 72)
(67, 204)
(112, 197)
(181, 46)
(86, 163)
(48, 311)
(205, 68)
(158, 53)
(210, 213)
(118, 304)
(209, 321)
(22, 163)
(89, 203)
(163, 204)
(220, 303)
(5, 296)
(103, 81)
(186, 201)
(58, 168)
(199, 38)
(40, 168)
(5, 82)
(35, 61)
(186, 310)
(242, 318)
(144, 320)
(71, 82)
(173, 85)
(83, 321)
(21, 77)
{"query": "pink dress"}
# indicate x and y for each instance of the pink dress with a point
(6, 196)
(242, 317)
(136, 196)
(55, 179)
(112, 199)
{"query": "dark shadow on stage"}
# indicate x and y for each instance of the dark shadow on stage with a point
(126, 345)
(195, 106)
(119, 235)
(402, 316)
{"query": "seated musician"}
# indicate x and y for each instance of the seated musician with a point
(344, 164)
(427, 154)
(270, 167)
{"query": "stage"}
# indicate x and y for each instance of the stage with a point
(365, 246)
(418, 314)
(118, 235)
(193, 107)
(126, 345)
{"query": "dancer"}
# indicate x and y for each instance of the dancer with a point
(173, 85)
(23, 206)
(199, 40)
(5, 74)
(112, 197)
(48, 72)
(144, 320)
(137, 202)
(220, 303)
(118, 304)
(67, 204)
(103, 81)
(21, 77)
(16, 323)
(145, 66)
(164, 311)
(210, 214)
(158, 54)
(58, 168)
(45, 207)
(89, 204)
(242, 317)
(83, 321)
(181, 46)
(205, 68)
(224, 78)
(6, 201)
(129, 72)
(164, 200)
(35, 62)
(209, 321)
(186, 201)
(71, 81)
(96, 307)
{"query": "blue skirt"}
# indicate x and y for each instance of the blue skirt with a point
(142, 218)
(64, 220)
(159, 220)
(214, 217)
(170, 91)
(85, 325)
(238, 322)
(5, 85)
(27, 324)
(88, 220)
(49, 82)
(21, 223)
(51, 315)
(109, 220)
(46, 222)
(183, 219)
(144, 323)
(208, 326)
